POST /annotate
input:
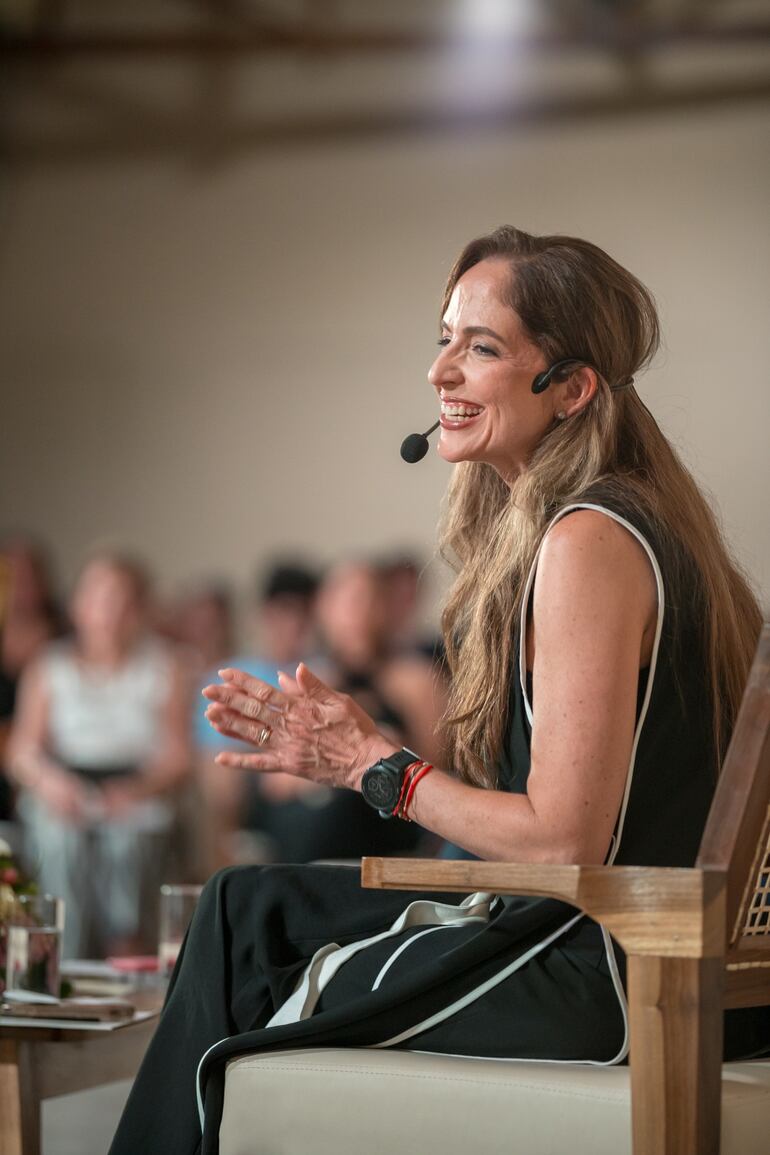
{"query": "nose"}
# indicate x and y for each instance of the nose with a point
(445, 372)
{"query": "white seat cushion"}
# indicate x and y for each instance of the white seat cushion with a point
(343, 1102)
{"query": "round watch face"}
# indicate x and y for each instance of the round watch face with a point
(380, 788)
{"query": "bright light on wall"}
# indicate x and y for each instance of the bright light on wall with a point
(483, 64)
(472, 18)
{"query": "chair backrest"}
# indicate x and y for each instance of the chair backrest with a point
(737, 835)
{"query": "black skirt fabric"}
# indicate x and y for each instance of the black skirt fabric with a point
(256, 928)
(254, 931)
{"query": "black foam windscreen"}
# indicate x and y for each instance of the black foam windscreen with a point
(415, 446)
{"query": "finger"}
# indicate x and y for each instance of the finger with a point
(238, 701)
(222, 720)
(226, 732)
(247, 761)
(289, 685)
(234, 725)
(312, 686)
(218, 715)
(258, 689)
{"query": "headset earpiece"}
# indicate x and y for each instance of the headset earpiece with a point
(543, 380)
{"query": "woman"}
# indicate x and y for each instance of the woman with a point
(98, 744)
(598, 637)
(29, 619)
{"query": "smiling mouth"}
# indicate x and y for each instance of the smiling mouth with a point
(458, 413)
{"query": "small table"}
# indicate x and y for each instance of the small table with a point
(37, 1063)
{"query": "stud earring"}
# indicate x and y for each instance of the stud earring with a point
(561, 415)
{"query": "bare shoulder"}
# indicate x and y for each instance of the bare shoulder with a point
(588, 540)
(35, 675)
(593, 567)
(33, 692)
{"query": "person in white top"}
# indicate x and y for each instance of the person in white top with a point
(99, 745)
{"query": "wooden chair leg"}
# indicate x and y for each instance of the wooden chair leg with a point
(19, 1102)
(676, 1054)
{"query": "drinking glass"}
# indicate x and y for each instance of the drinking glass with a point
(34, 944)
(177, 905)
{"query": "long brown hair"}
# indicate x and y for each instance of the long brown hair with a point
(575, 301)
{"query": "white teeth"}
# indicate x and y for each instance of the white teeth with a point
(456, 410)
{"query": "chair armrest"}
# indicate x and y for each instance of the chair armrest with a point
(649, 910)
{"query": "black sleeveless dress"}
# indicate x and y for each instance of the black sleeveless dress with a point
(519, 978)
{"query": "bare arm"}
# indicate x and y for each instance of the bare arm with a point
(594, 610)
(171, 761)
(30, 763)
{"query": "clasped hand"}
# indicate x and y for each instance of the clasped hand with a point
(304, 728)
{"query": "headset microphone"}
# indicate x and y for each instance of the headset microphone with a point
(415, 446)
(541, 382)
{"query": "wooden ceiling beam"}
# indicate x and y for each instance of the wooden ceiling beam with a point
(183, 138)
(98, 99)
(281, 38)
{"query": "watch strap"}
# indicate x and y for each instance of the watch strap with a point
(385, 779)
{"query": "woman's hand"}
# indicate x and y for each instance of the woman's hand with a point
(305, 728)
(119, 799)
(63, 794)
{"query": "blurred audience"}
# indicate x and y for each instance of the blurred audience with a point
(304, 822)
(29, 618)
(95, 726)
(399, 689)
(401, 577)
(201, 623)
(370, 659)
(282, 623)
(98, 747)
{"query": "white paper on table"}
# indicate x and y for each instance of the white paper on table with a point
(74, 1024)
(89, 968)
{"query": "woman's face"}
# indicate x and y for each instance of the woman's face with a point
(105, 608)
(483, 375)
(351, 612)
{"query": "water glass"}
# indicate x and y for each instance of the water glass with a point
(34, 944)
(177, 905)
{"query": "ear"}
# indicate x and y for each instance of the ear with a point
(573, 395)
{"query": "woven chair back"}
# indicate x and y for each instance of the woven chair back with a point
(737, 835)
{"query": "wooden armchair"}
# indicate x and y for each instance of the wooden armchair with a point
(697, 940)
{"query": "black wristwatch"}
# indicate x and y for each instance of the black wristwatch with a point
(382, 782)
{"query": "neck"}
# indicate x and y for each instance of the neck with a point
(105, 651)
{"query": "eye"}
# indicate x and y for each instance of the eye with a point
(442, 341)
(484, 350)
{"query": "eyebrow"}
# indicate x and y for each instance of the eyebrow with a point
(476, 330)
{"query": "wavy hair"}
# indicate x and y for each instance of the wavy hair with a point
(575, 301)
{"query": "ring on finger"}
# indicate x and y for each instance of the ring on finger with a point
(264, 736)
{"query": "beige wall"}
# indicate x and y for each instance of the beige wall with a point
(215, 365)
